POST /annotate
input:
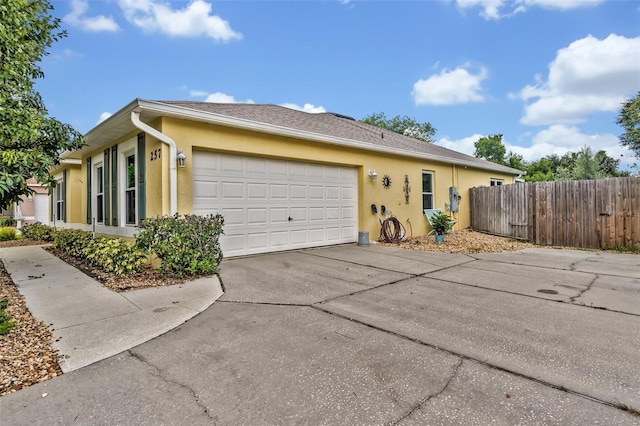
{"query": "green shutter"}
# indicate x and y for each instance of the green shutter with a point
(141, 190)
(51, 204)
(107, 186)
(89, 190)
(114, 185)
(64, 195)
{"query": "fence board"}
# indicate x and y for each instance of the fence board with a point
(591, 214)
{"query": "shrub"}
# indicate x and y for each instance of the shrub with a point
(5, 320)
(72, 241)
(7, 221)
(186, 245)
(441, 223)
(114, 255)
(39, 232)
(7, 234)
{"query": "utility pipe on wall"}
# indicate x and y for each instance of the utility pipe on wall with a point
(173, 170)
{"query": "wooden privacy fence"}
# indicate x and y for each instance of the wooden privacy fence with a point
(601, 213)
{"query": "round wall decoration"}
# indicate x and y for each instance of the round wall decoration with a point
(386, 182)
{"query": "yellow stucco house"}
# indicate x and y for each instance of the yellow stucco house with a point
(283, 179)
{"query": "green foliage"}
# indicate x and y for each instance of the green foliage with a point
(441, 223)
(30, 140)
(7, 234)
(111, 254)
(403, 125)
(72, 241)
(490, 148)
(186, 245)
(629, 119)
(114, 255)
(39, 232)
(7, 221)
(5, 320)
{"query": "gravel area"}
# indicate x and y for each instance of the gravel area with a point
(464, 241)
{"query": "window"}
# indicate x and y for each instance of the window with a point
(496, 182)
(427, 190)
(99, 179)
(130, 189)
(59, 201)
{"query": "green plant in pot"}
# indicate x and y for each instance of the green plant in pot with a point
(441, 224)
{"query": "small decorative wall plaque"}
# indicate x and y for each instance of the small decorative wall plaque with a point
(386, 182)
(406, 188)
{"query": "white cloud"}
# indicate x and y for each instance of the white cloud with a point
(98, 23)
(455, 86)
(194, 20)
(464, 145)
(218, 97)
(306, 108)
(560, 139)
(103, 117)
(589, 75)
(495, 9)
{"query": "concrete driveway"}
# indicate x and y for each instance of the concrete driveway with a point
(376, 335)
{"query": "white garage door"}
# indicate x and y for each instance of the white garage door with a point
(271, 205)
(41, 208)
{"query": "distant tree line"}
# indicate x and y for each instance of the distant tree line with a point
(584, 164)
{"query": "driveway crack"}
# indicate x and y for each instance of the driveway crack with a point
(427, 398)
(160, 374)
(584, 290)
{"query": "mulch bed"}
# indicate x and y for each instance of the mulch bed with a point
(26, 354)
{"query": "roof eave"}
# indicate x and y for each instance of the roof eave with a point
(208, 117)
(152, 109)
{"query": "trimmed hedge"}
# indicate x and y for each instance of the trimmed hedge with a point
(186, 245)
(111, 254)
(38, 231)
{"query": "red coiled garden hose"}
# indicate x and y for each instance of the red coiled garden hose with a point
(392, 231)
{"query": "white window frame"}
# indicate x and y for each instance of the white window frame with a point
(98, 175)
(58, 200)
(496, 182)
(126, 150)
(432, 193)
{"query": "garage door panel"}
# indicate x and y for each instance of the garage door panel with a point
(233, 165)
(257, 196)
(278, 191)
(333, 193)
(257, 190)
(257, 216)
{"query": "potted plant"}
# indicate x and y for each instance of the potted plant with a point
(441, 224)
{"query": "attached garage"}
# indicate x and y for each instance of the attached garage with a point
(272, 204)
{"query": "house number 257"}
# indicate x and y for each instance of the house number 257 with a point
(155, 154)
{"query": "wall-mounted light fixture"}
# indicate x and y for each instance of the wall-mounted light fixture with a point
(372, 174)
(181, 158)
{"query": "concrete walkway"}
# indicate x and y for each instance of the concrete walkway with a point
(91, 322)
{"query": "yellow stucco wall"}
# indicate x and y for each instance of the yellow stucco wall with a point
(190, 136)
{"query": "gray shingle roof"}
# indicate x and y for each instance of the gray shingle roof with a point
(334, 125)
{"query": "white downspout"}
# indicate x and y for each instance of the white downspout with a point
(173, 170)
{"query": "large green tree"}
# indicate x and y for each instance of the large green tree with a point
(403, 125)
(629, 119)
(490, 148)
(31, 141)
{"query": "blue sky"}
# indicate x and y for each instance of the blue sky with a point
(548, 74)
